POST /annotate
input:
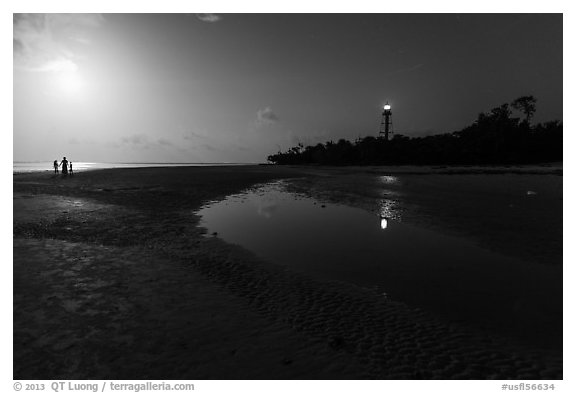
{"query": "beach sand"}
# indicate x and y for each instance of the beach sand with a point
(113, 279)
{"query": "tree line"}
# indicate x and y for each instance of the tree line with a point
(494, 138)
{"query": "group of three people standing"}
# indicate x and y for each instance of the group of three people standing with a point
(64, 164)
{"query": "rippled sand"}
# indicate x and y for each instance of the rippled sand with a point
(114, 280)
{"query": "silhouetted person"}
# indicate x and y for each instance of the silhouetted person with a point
(71, 172)
(64, 165)
(56, 166)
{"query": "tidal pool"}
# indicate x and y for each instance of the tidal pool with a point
(448, 276)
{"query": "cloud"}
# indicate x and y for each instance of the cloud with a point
(58, 65)
(135, 140)
(142, 141)
(40, 41)
(165, 142)
(266, 116)
(190, 136)
(209, 18)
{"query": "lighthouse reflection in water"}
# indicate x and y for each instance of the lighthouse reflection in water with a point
(383, 222)
(448, 275)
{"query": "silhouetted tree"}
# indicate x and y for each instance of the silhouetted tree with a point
(526, 104)
(494, 138)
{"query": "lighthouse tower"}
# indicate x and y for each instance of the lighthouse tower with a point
(386, 123)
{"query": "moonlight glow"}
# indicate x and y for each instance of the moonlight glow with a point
(69, 82)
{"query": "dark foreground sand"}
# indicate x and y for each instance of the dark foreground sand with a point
(114, 280)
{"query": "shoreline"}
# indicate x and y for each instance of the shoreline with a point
(148, 215)
(551, 168)
(19, 168)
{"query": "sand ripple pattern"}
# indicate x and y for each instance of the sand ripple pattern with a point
(392, 340)
(388, 339)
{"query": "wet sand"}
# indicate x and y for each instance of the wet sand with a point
(113, 279)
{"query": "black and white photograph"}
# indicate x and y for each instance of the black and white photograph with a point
(257, 196)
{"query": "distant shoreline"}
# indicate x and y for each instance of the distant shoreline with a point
(555, 168)
(46, 166)
(552, 168)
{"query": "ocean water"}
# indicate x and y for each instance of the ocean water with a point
(26, 167)
(453, 277)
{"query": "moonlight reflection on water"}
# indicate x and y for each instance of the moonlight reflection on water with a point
(450, 276)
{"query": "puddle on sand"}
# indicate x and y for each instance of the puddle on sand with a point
(448, 276)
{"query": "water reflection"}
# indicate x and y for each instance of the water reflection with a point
(390, 209)
(267, 210)
(383, 223)
(449, 276)
(389, 179)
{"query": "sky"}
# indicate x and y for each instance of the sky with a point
(239, 87)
